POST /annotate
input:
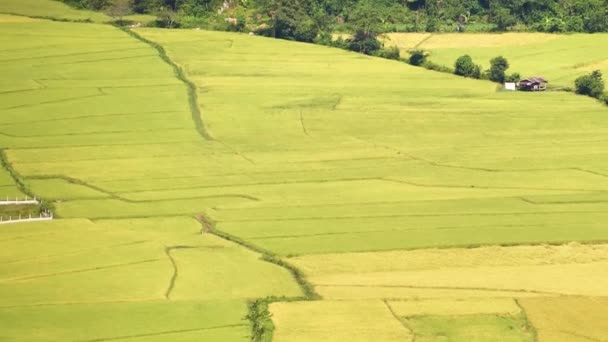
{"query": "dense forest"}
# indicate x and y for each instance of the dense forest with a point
(309, 20)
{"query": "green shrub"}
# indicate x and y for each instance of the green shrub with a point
(553, 25)
(364, 43)
(464, 66)
(417, 57)
(340, 43)
(590, 85)
(323, 38)
(498, 68)
(389, 53)
(437, 67)
(515, 77)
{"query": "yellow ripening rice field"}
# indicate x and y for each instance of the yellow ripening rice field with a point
(568, 319)
(487, 271)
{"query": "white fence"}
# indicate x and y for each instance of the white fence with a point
(47, 216)
(17, 201)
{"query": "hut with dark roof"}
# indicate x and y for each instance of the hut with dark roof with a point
(533, 84)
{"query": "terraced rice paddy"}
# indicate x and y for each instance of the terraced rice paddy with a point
(373, 178)
(559, 58)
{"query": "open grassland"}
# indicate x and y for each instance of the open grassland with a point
(349, 164)
(559, 58)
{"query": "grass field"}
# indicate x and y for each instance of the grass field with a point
(559, 58)
(372, 177)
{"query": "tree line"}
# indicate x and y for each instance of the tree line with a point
(305, 20)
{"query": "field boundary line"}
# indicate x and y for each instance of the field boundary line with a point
(168, 251)
(76, 98)
(92, 269)
(390, 308)
(407, 229)
(167, 332)
(431, 35)
(302, 123)
(118, 197)
(580, 336)
(483, 187)
(260, 318)
(209, 227)
(8, 166)
(460, 288)
(93, 116)
(51, 18)
(180, 74)
(363, 217)
(529, 324)
(173, 276)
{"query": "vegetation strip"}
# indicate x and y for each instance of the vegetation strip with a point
(7, 165)
(390, 308)
(259, 316)
(179, 73)
(175, 274)
(529, 325)
(307, 287)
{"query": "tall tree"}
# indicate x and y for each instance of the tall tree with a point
(118, 9)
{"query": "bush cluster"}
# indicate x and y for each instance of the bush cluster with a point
(591, 85)
(464, 66)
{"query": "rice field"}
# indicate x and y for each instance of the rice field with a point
(559, 58)
(412, 213)
(156, 277)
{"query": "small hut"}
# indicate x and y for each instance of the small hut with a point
(533, 84)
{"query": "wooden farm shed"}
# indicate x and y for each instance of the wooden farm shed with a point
(533, 84)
